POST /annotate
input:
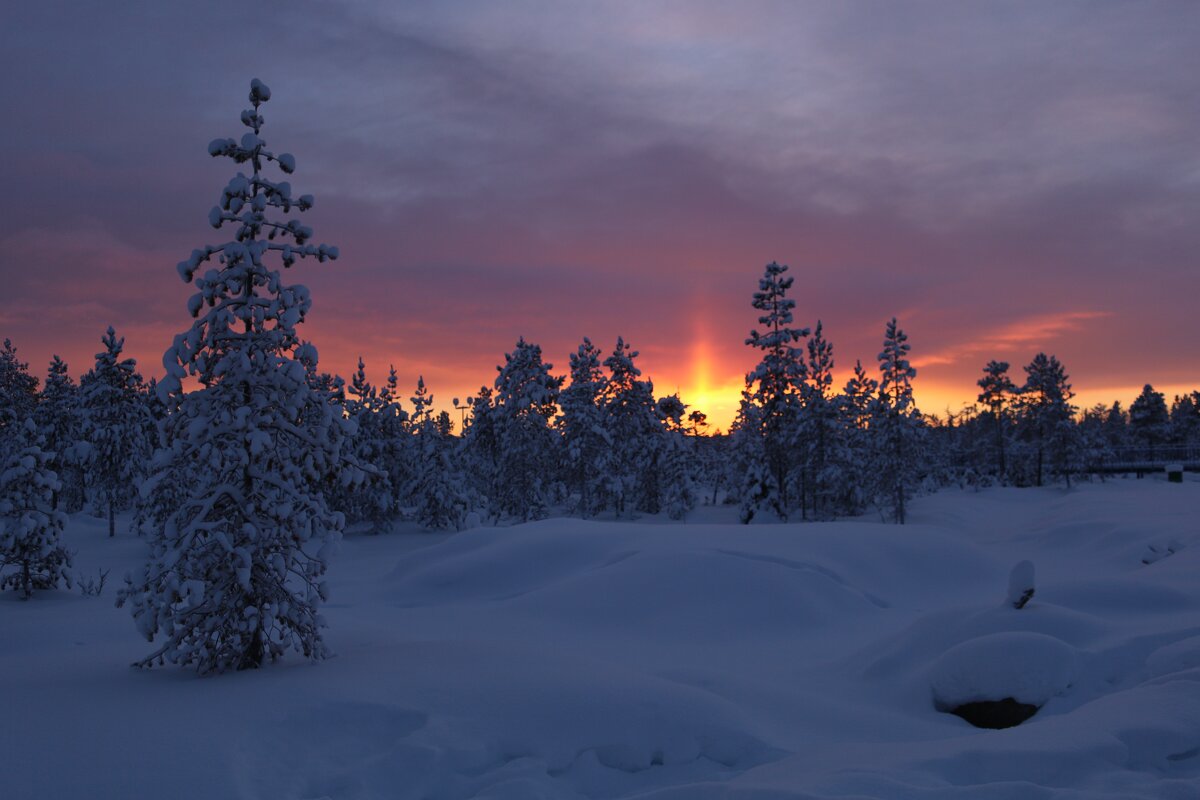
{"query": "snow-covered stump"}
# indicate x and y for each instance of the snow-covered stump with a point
(1001, 680)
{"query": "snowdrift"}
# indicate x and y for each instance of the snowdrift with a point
(572, 659)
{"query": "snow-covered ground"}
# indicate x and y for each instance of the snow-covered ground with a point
(567, 659)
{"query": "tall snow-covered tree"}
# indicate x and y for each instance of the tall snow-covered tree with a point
(774, 390)
(237, 559)
(632, 424)
(1116, 426)
(1045, 416)
(896, 426)
(525, 402)
(1149, 420)
(396, 452)
(587, 445)
(117, 427)
(31, 552)
(18, 389)
(996, 394)
(373, 500)
(1185, 419)
(818, 436)
(438, 492)
(855, 405)
(57, 416)
(677, 459)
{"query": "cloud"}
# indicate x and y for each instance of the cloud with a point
(556, 171)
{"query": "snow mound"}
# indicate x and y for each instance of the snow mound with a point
(1028, 667)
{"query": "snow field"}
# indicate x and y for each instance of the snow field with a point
(572, 659)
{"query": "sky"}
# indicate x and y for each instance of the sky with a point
(1005, 178)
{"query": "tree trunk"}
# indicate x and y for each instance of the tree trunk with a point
(112, 516)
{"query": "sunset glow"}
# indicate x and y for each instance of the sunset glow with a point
(1042, 198)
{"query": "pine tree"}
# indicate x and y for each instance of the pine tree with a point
(1149, 420)
(525, 401)
(117, 427)
(372, 501)
(1116, 425)
(896, 426)
(1045, 416)
(235, 572)
(855, 405)
(18, 389)
(996, 394)
(396, 452)
(632, 425)
(1185, 419)
(57, 416)
(677, 459)
(481, 448)
(31, 553)
(824, 468)
(586, 442)
(437, 491)
(774, 390)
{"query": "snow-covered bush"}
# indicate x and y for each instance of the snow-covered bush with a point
(235, 573)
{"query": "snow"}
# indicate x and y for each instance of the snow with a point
(658, 661)
(1028, 667)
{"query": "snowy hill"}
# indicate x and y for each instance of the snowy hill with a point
(572, 659)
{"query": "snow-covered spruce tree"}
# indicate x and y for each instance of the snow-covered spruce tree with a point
(1116, 426)
(587, 446)
(372, 501)
(855, 405)
(818, 435)
(117, 426)
(1185, 419)
(31, 553)
(1149, 420)
(395, 440)
(774, 388)
(678, 462)
(18, 389)
(1093, 444)
(633, 427)
(896, 426)
(479, 451)
(525, 402)
(57, 416)
(234, 575)
(437, 493)
(996, 394)
(1045, 417)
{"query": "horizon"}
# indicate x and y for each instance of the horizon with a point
(1019, 180)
